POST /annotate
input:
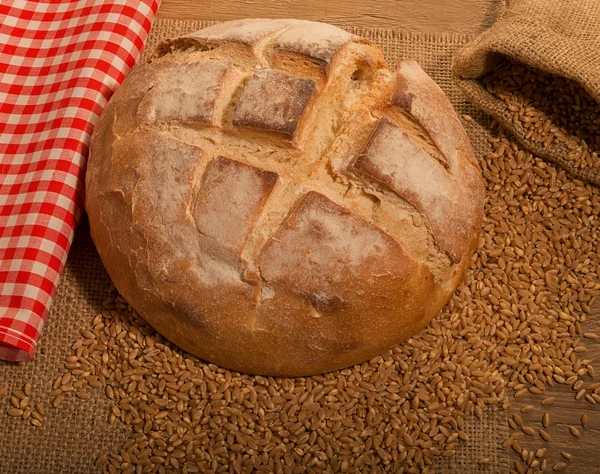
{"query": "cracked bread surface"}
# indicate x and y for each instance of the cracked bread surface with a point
(273, 199)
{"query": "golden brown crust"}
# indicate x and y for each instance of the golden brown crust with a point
(392, 158)
(229, 201)
(417, 94)
(273, 101)
(187, 93)
(306, 247)
(247, 31)
(318, 41)
(333, 259)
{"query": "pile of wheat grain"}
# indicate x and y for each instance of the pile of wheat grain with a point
(513, 327)
(515, 323)
(552, 109)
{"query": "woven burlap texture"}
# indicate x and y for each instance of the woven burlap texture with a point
(76, 433)
(558, 37)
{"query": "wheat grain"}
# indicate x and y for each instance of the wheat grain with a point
(399, 410)
(550, 109)
(584, 421)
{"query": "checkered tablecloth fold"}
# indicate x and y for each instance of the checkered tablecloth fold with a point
(60, 62)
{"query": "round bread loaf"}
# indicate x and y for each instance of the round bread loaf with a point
(273, 199)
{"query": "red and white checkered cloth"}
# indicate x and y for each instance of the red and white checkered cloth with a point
(60, 61)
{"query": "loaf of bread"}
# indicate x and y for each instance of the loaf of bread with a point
(270, 197)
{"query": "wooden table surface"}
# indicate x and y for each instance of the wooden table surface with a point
(566, 412)
(463, 16)
(432, 16)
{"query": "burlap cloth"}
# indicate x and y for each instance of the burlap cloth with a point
(76, 433)
(559, 37)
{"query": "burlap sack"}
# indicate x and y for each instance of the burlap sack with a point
(561, 37)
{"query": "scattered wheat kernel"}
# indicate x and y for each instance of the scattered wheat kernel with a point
(590, 399)
(101, 460)
(584, 421)
(16, 412)
(518, 420)
(540, 453)
(521, 393)
(19, 394)
(546, 420)
(528, 430)
(57, 401)
(574, 431)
